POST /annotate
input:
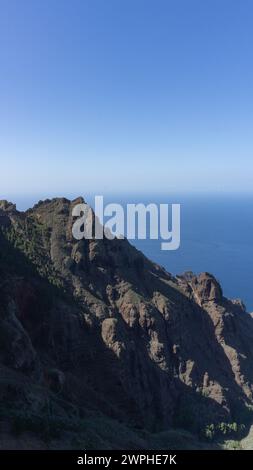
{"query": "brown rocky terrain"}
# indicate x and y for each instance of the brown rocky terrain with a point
(102, 347)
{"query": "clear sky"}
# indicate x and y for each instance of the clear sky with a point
(125, 95)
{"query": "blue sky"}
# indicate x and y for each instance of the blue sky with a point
(125, 95)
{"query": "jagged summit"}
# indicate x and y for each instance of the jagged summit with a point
(7, 206)
(58, 201)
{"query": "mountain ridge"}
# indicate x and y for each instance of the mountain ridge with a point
(96, 324)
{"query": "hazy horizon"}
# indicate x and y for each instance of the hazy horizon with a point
(26, 201)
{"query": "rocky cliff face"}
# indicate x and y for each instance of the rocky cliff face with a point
(93, 327)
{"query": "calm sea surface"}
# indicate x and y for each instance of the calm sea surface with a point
(216, 236)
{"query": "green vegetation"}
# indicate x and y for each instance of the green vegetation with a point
(97, 432)
(24, 244)
(216, 431)
(232, 445)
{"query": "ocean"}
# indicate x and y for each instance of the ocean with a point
(217, 237)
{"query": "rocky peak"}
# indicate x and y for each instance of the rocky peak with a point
(203, 287)
(7, 206)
